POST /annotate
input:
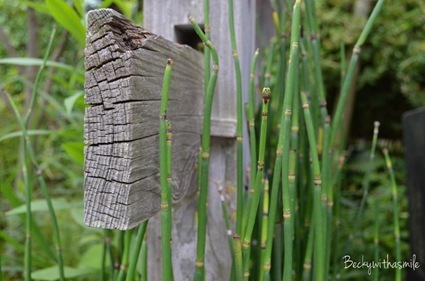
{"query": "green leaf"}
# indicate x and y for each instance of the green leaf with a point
(52, 273)
(36, 62)
(39, 7)
(41, 205)
(66, 16)
(75, 150)
(93, 257)
(29, 132)
(78, 4)
(70, 101)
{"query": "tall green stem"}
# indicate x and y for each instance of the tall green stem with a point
(136, 251)
(239, 114)
(251, 115)
(264, 227)
(291, 81)
(351, 69)
(254, 200)
(165, 178)
(366, 179)
(125, 255)
(319, 223)
(395, 212)
(206, 133)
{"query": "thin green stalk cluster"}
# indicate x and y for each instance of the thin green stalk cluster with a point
(125, 256)
(165, 176)
(141, 231)
(239, 115)
(251, 118)
(204, 171)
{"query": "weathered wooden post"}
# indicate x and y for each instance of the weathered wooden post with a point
(125, 64)
(124, 70)
(170, 19)
(414, 142)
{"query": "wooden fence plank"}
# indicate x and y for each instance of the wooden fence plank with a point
(124, 69)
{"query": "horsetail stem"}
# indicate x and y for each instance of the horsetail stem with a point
(376, 237)
(290, 88)
(319, 240)
(165, 164)
(206, 132)
(239, 115)
(395, 212)
(254, 200)
(125, 255)
(264, 226)
(207, 52)
(366, 179)
(252, 135)
(351, 69)
(141, 231)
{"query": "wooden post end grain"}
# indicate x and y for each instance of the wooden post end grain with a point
(124, 70)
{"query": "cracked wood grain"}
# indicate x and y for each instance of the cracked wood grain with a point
(124, 70)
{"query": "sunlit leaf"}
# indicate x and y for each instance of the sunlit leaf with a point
(66, 16)
(75, 150)
(70, 101)
(39, 7)
(41, 205)
(93, 257)
(36, 62)
(29, 132)
(52, 273)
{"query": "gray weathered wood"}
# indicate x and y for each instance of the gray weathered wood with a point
(124, 72)
(414, 154)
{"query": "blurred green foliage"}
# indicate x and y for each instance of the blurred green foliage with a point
(393, 54)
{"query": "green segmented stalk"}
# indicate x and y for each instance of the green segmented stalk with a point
(283, 137)
(273, 207)
(144, 269)
(376, 238)
(238, 257)
(351, 69)
(136, 251)
(251, 112)
(125, 255)
(164, 163)
(251, 126)
(239, 114)
(395, 212)
(338, 183)
(306, 276)
(366, 179)
(269, 62)
(319, 223)
(254, 200)
(207, 52)
(230, 237)
(206, 132)
(291, 80)
(264, 226)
